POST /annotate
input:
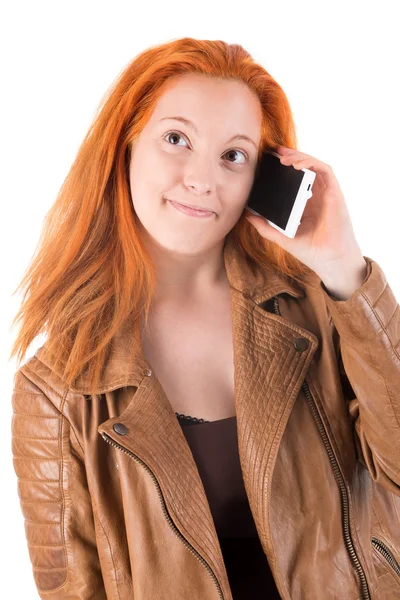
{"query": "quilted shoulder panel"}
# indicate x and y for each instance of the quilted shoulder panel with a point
(38, 431)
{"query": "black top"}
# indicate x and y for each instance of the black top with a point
(214, 446)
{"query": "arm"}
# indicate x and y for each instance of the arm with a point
(54, 498)
(367, 343)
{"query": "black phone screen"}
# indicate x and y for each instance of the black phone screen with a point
(275, 189)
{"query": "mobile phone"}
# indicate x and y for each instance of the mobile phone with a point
(280, 193)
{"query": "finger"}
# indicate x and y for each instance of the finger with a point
(295, 155)
(265, 229)
(285, 150)
(321, 168)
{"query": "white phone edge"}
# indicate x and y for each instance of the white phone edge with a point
(299, 205)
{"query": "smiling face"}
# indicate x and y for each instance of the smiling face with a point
(201, 165)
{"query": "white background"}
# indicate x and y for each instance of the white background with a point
(336, 61)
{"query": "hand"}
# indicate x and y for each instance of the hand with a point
(325, 237)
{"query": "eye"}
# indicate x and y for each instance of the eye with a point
(178, 134)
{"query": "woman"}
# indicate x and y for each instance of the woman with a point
(215, 412)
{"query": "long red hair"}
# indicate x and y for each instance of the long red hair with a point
(91, 270)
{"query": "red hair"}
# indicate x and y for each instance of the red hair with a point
(92, 271)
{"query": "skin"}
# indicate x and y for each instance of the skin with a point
(170, 160)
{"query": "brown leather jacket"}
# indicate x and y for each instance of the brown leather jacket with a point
(113, 502)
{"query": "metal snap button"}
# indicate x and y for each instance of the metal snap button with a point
(148, 372)
(301, 344)
(120, 428)
(246, 293)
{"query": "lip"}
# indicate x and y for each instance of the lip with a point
(189, 210)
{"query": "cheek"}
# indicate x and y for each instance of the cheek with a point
(245, 193)
(241, 194)
(159, 172)
(149, 180)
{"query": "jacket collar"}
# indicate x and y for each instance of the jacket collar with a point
(127, 365)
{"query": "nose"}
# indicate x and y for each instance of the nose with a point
(200, 178)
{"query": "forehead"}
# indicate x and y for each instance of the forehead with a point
(224, 103)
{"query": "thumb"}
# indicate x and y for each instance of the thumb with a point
(266, 230)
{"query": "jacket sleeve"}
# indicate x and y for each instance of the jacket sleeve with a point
(54, 498)
(367, 343)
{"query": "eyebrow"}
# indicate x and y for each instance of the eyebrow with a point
(238, 136)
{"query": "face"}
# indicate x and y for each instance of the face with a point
(197, 165)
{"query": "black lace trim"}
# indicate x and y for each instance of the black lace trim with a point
(195, 419)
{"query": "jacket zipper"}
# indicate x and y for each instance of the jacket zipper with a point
(108, 439)
(386, 553)
(339, 480)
